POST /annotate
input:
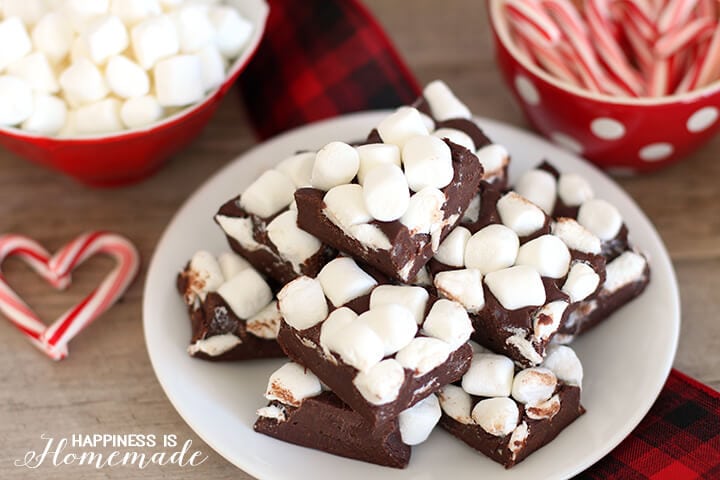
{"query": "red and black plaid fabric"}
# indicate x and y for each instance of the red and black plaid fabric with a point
(322, 58)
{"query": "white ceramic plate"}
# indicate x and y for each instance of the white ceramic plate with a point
(626, 359)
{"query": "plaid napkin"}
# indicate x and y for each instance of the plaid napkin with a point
(322, 58)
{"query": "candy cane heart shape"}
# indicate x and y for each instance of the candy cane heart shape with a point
(57, 271)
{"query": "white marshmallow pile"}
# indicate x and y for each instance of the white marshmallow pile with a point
(505, 394)
(543, 189)
(242, 288)
(382, 343)
(72, 68)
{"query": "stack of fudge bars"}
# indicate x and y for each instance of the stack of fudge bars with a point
(410, 285)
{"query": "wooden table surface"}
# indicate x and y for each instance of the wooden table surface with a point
(107, 384)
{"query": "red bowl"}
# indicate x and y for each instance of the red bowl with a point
(126, 157)
(623, 134)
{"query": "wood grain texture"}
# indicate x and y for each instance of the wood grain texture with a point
(107, 384)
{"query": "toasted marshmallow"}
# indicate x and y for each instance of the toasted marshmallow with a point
(493, 158)
(443, 102)
(335, 164)
(521, 215)
(393, 323)
(428, 163)
(413, 298)
(516, 287)
(291, 384)
(268, 195)
(449, 322)
(425, 211)
(564, 363)
(490, 375)
(456, 403)
(246, 293)
(540, 187)
(462, 286)
(546, 321)
(375, 154)
(456, 136)
(493, 248)
(345, 205)
(423, 354)
(386, 192)
(298, 168)
(418, 421)
(14, 40)
(576, 237)
(36, 70)
(266, 323)
(401, 126)
(205, 275)
(497, 416)
(547, 254)
(627, 268)
(357, 344)
(231, 264)
(452, 250)
(342, 280)
(534, 385)
(302, 303)
(601, 218)
(381, 383)
(581, 282)
(574, 190)
(544, 410)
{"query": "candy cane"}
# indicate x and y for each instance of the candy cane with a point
(675, 13)
(659, 79)
(683, 35)
(710, 69)
(531, 14)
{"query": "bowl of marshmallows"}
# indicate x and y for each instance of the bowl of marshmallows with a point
(106, 90)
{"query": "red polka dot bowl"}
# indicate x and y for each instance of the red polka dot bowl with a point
(628, 135)
(126, 157)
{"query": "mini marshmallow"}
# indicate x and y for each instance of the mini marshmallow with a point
(336, 163)
(154, 39)
(291, 384)
(374, 154)
(215, 345)
(293, 244)
(576, 237)
(381, 383)
(334, 326)
(105, 37)
(272, 411)
(601, 218)
(449, 322)
(627, 268)
(413, 298)
(534, 385)
(298, 168)
(547, 254)
(493, 158)
(370, 236)
(518, 213)
(547, 320)
(126, 78)
(544, 410)
(463, 286)
(213, 67)
(345, 205)
(266, 323)
(231, 30)
(205, 275)
(422, 278)
(231, 264)
(516, 287)
(16, 100)
(489, 375)
(524, 346)
(423, 354)
(386, 192)
(574, 190)
(29, 11)
(472, 212)
(393, 323)
(518, 439)
(178, 80)
(540, 187)
(68, 130)
(492, 248)
(53, 36)
(141, 111)
(564, 363)
(83, 83)
(418, 421)
(497, 416)
(14, 40)
(456, 136)
(132, 12)
(79, 50)
(246, 293)
(99, 117)
(443, 102)
(425, 211)
(342, 280)
(401, 126)
(195, 30)
(428, 163)
(36, 70)
(581, 282)
(268, 195)
(48, 115)
(357, 344)
(452, 250)
(456, 403)
(302, 303)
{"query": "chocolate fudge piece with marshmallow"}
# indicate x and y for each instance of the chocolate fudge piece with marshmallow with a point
(506, 413)
(301, 412)
(380, 348)
(232, 311)
(261, 224)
